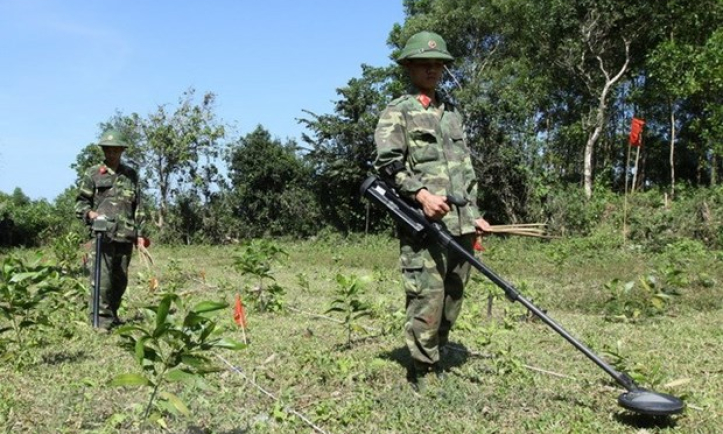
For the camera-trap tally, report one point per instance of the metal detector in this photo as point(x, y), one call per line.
point(100, 226)
point(636, 398)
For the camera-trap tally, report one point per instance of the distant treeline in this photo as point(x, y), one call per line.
point(548, 88)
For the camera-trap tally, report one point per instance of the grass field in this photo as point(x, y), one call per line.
point(508, 373)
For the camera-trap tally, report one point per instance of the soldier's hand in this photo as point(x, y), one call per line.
point(483, 227)
point(92, 215)
point(143, 242)
point(434, 207)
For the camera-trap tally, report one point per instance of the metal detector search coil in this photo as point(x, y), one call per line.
point(635, 399)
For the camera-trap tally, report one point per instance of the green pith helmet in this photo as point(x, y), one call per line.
point(112, 138)
point(425, 45)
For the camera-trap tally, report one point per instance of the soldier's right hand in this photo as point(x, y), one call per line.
point(92, 215)
point(434, 207)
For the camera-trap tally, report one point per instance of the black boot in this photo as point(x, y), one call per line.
point(117, 321)
point(420, 373)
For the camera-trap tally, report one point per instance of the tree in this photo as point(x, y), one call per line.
point(271, 192)
point(179, 150)
point(342, 145)
point(677, 70)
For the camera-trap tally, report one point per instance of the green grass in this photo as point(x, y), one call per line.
point(516, 376)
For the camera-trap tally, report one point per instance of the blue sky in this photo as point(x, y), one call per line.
point(66, 66)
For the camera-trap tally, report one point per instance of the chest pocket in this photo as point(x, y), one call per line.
point(423, 146)
point(104, 187)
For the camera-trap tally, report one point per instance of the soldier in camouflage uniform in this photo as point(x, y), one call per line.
point(422, 151)
point(111, 189)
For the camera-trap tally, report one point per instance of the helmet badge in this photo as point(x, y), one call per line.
point(432, 44)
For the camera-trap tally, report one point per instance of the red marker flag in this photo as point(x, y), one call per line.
point(478, 245)
point(239, 313)
point(636, 132)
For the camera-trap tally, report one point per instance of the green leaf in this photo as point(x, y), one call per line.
point(162, 329)
point(130, 380)
point(658, 303)
point(140, 349)
point(335, 309)
point(196, 361)
point(162, 313)
point(229, 344)
point(207, 331)
point(128, 329)
point(209, 306)
point(182, 376)
point(176, 402)
point(20, 277)
point(193, 319)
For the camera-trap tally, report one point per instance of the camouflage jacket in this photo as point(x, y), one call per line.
point(113, 194)
point(420, 146)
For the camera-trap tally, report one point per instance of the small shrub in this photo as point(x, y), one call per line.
point(257, 258)
point(646, 297)
point(348, 303)
point(26, 294)
point(169, 349)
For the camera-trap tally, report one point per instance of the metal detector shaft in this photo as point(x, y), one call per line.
point(405, 213)
point(513, 295)
point(96, 281)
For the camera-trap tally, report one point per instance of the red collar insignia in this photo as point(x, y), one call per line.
point(424, 100)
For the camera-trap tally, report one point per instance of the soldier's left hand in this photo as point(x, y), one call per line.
point(483, 227)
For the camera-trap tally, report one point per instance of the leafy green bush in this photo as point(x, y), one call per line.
point(568, 212)
point(347, 303)
point(172, 349)
point(257, 258)
point(695, 214)
point(647, 297)
point(26, 303)
point(66, 249)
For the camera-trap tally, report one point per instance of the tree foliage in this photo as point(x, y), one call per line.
point(269, 182)
point(342, 146)
point(179, 150)
point(547, 88)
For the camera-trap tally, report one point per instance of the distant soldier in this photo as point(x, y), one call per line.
point(112, 190)
point(7, 226)
point(422, 151)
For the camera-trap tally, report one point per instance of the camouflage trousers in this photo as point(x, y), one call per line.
point(434, 279)
point(114, 260)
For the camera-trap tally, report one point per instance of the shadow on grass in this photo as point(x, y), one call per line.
point(356, 341)
point(63, 357)
point(202, 430)
point(641, 421)
point(453, 356)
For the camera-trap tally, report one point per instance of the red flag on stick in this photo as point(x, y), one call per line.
point(636, 132)
point(239, 313)
point(477, 246)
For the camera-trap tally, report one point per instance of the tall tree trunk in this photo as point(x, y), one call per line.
point(713, 169)
point(590, 146)
point(163, 188)
point(672, 151)
point(600, 117)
